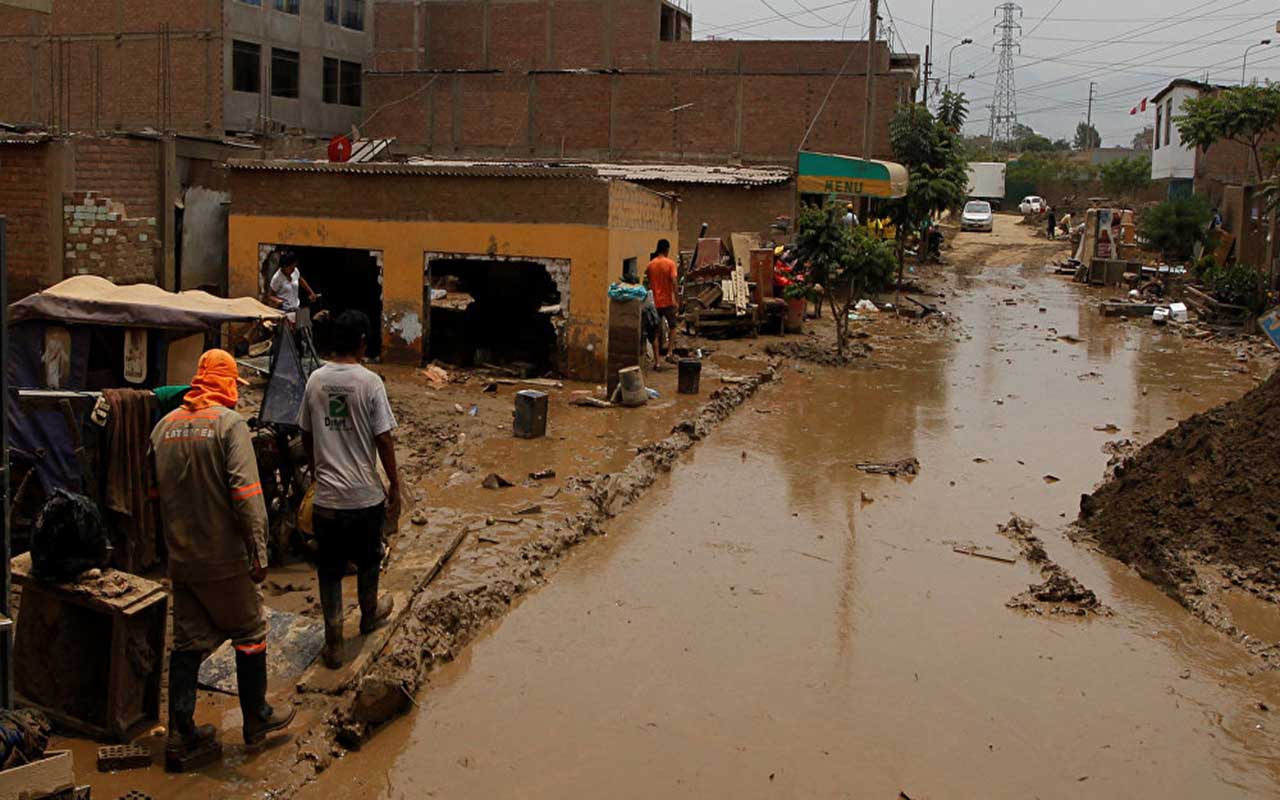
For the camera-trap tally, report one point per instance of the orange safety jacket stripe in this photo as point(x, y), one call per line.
point(245, 492)
point(252, 649)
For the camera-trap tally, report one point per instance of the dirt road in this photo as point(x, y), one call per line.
point(771, 621)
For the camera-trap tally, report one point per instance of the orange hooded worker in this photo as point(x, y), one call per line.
point(215, 526)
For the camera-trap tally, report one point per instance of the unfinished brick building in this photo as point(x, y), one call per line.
point(615, 80)
point(193, 66)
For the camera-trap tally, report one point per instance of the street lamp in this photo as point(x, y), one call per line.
point(1245, 60)
point(949, 55)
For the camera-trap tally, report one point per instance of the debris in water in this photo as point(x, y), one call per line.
point(907, 466)
point(990, 556)
point(495, 481)
point(1051, 479)
point(542, 474)
point(867, 499)
point(436, 376)
point(419, 517)
point(1069, 339)
point(532, 508)
point(1108, 428)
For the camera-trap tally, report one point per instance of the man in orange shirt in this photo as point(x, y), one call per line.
point(661, 275)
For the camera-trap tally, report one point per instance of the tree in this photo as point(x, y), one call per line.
point(933, 153)
point(1061, 144)
point(1242, 114)
point(1124, 178)
point(1035, 143)
point(1177, 226)
point(1087, 137)
point(849, 263)
point(1144, 139)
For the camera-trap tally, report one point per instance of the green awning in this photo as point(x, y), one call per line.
point(846, 176)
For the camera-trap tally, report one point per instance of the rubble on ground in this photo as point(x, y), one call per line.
point(1060, 592)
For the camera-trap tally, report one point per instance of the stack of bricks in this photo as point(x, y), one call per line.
point(101, 239)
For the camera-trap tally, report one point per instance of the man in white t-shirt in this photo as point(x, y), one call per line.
point(347, 426)
point(285, 284)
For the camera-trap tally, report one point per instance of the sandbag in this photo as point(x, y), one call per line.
point(69, 538)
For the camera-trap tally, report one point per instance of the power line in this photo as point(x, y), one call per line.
point(793, 20)
point(1036, 27)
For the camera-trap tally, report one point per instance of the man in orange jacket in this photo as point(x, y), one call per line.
point(661, 275)
point(215, 526)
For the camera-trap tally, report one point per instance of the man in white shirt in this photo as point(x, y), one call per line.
point(347, 426)
point(285, 284)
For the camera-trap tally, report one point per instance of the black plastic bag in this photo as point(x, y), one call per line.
point(69, 538)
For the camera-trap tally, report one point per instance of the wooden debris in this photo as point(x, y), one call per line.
point(590, 402)
point(542, 474)
point(531, 508)
point(907, 466)
point(988, 556)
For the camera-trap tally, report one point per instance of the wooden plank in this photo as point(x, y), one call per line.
point(50, 775)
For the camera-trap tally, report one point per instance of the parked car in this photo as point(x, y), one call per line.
point(976, 216)
point(1031, 205)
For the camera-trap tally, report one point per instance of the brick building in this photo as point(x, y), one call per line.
point(130, 208)
point(616, 80)
point(201, 67)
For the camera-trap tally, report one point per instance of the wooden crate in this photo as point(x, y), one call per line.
point(109, 652)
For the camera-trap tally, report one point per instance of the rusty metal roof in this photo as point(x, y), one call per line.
point(420, 168)
point(641, 173)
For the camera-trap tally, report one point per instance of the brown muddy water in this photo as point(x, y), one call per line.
point(755, 628)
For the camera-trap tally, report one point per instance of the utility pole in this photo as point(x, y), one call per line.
point(1089, 118)
point(928, 55)
point(868, 117)
point(1006, 102)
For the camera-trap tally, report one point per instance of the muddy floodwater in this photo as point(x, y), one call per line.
point(756, 626)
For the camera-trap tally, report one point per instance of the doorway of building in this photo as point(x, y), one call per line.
point(345, 279)
point(497, 310)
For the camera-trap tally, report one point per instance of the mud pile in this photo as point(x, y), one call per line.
point(1061, 592)
point(1208, 490)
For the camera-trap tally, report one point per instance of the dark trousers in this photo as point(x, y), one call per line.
point(348, 537)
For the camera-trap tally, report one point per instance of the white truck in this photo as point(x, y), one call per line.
point(986, 182)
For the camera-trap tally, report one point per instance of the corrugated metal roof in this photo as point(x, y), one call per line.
point(640, 173)
point(423, 168)
point(23, 138)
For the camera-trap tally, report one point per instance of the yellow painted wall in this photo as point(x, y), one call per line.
point(404, 244)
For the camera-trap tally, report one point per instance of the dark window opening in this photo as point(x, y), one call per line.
point(352, 83)
point(331, 11)
point(331, 94)
point(252, 2)
point(674, 25)
point(246, 67)
point(284, 72)
point(505, 313)
point(1168, 122)
point(1159, 119)
point(353, 14)
point(344, 279)
point(289, 6)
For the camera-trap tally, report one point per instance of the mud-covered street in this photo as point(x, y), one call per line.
point(769, 620)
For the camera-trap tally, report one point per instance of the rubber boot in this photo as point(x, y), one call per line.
point(259, 718)
point(184, 738)
point(331, 605)
point(375, 610)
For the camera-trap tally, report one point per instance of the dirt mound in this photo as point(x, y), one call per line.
point(821, 351)
point(1209, 490)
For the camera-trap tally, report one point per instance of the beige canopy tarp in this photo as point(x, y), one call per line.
point(88, 299)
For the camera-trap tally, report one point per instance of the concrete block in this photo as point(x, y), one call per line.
point(71, 254)
point(68, 209)
point(73, 231)
point(88, 201)
point(81, 246)
point(142, 237)
point(113, 216)
point(111, 231)
point(152, 220)
point(97, 240)
point(95, 256)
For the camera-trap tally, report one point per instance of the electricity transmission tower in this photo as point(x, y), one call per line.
point(1005, 113)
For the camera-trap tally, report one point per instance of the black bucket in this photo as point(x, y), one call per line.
point(690, 376)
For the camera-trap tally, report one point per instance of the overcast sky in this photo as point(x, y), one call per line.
point(1130, 49)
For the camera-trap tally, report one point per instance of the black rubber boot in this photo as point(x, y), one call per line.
point(375, 610)
point(259, 718)
point(331, 606)
point(185, 738)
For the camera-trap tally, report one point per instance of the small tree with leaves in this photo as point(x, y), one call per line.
point(1177, 226)
point(849, 264)
point(1125, 178)
point(933, 152)
point(1087, 137)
